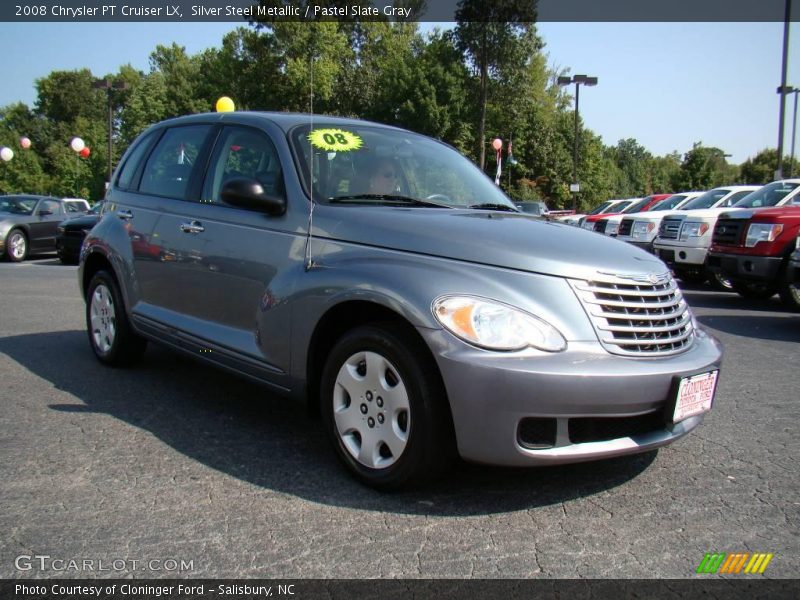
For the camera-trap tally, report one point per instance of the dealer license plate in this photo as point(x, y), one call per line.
point(695, 395)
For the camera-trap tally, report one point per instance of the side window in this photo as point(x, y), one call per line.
point(243, 152)
point(170, 165)
point(72, 207)
point(129, 169)
point(52, 205)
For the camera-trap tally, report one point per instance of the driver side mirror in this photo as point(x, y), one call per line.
point(249, 193)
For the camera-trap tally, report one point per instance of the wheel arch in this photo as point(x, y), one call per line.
point(343, 317)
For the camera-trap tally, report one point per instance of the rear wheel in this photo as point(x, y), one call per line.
point(110, 334)
point(17, 245)
point(385, 409)
point(753, 290)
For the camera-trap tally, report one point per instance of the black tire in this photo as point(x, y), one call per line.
point(752, 290)
point(16, 236)
point(67, 259)
point(720, 282)
point(124, 347)
point(429, 446)
point(789, 292)
point(691, 275)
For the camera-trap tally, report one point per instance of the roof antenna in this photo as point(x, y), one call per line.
point(309, 262)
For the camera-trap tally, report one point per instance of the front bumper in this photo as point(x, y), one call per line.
point(69, 246)
point(681, 255)
point(745, 267)
point(491, 395)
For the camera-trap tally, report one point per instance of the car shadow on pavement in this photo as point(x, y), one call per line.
point(772, 328)
point(242, 430)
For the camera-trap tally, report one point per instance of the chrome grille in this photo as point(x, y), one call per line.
point(670, 228)
point(634, 317)
point(600, 225)
point(626, 227)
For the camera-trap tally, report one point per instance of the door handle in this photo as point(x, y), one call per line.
point(193, 227)
point(124, 214)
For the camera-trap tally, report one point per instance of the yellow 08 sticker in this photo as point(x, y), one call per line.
point(335, 140)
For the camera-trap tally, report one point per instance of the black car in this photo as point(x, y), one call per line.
point(28, 224)
point(72, 232)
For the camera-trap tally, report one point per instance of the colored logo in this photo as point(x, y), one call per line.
point(736, 563)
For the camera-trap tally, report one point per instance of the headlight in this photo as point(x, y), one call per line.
point(612, 227)
point(642, 229)
point(691, 229)
point(762, 232)
point(495, 326)
point(588, 225)
point(60, 229)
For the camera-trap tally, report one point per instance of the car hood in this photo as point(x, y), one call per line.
point(500, 239)
point(703, 213)
point(652, 215)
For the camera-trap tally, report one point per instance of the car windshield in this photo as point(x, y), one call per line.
point(769, 195)
point(361, 164)
point(18, 206)
point(668, 203)
point(637, 206)
point(616, 208)
point(597, 210)
point(707, 200)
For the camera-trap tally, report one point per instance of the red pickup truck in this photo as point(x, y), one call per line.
point(753, 248)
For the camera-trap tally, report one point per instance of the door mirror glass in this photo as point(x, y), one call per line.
point(249, 193)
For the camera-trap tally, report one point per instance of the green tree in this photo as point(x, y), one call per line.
point(760, 169)
point(705, 167)
point(492, 37)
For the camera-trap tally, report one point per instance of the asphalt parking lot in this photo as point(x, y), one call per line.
point(172, 461)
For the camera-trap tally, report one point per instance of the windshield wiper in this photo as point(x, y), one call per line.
point(385, 199)
point(494, 206)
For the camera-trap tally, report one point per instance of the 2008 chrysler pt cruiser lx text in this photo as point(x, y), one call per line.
point(410, 301)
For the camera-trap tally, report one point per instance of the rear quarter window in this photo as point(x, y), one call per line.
point(170, 165)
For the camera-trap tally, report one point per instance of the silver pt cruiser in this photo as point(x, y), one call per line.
point(381, 277)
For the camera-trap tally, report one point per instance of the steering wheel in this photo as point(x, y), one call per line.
point(441, 197)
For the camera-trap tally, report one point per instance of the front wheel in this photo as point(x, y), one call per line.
point(110, 334)
point(753, 291)
point(384, 407)
point(790, 293)
point(721, 282)
point(688, 275)
point(17, 246)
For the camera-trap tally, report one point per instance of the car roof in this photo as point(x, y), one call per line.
point(284, 120)
point(28, 197)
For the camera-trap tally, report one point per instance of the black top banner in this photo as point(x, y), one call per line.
point(399, 10)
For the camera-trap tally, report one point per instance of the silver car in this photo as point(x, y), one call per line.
point(410, 301)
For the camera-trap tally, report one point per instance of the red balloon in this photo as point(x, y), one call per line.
point(85, 152)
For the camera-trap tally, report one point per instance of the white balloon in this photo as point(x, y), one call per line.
point(6, 154)
point(77, 144)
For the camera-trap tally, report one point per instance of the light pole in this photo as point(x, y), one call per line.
point(105, 84)
point(795, 91)
point(783, 89)
point(578, 80)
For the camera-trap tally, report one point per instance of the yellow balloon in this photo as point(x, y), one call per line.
point(225, 104)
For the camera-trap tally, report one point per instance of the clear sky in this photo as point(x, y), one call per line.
point(666, 84)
